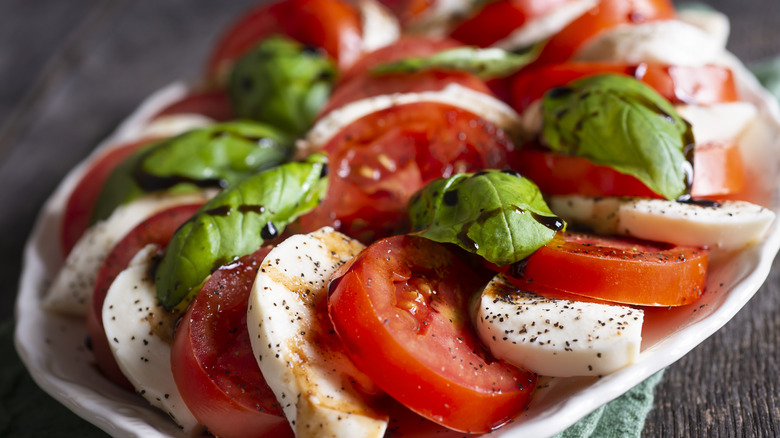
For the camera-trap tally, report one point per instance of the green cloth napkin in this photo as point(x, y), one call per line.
point(27, 411)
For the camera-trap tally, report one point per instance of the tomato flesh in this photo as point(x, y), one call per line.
point(699, 85)
point(378, 162)
point(157, 229)
point(78, 210)
point(212, 360)
point(498, 19)
point(619, 270)
point(606, 15)
point(718, 171)
point(401, 310)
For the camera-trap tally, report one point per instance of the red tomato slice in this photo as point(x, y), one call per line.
point(718, 172)
point(367, 85)
point(212, 104)
point(380, 160)
point(409, 11)
point(212, 360)
point(78, 210)
point(158, 229)
point(401, 310)
point(620, 270)
point(700, 85)
point(559, 174)
point(498, 19)
point(604, 16)
point(332, 25)
point(404, 47)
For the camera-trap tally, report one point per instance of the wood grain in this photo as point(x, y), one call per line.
point(70, 71)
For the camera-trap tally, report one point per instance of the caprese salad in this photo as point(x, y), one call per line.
point(389, 219)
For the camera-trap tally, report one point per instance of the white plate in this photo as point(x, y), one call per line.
point(53, 349)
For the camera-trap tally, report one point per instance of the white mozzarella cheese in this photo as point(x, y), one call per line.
point(72, 288)
point(485, 106)
point(300, 355)
point(559, 338)
point(720, 122)
point(140, 333)
point(666, 42)
point(713, 23)
point(545, 26)
point(437, 20)
point(730, 225)
point(380, 27)
point(173, 125)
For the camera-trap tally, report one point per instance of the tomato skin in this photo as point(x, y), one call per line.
point(401, 311)
point(158, 229)
point(498, 19)
point(604, 16)
point(718, 171)
point(699, 85)
point(367, 85)
point(619, 270)
point(212, 104)
point(212, 360)
point(78, 210)
point(560, 174)
point(332, 25)
point(380, 160)
point(405, 47)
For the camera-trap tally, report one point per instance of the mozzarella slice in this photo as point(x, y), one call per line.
point(71, 290)
point(713, 23)
point(173, 125)
point(140, 333)
point(485, 106)
point(380, 27)
point(721, 122)
point(303, 361)
point(666, 42)
point(730, 225)
point(559, 338)
point(545, 26)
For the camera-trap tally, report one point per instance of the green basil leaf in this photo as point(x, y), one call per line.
point(283, 83)
point(236, 222)
point(485, 63)
point(497, 214)
point(215, 156)
point(618, 121)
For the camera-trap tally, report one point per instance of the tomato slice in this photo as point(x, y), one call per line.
point(620, 270)
point(405, 47)
point(212, 104)
point(699, 85)
point(498, 19)
point(157, 229)
point(212, 360)
point(78, 211)
point(332, 25)
point(401, 310)
point(380, 160)
point(560, 174)
point(718, 172)
point(604, 16)
point(367, 85)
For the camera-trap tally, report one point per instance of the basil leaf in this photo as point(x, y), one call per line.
point(236, 222)
point(215, 156)
point(484, 63)
point(283, 83)
point(618, 121)
point(497, 214)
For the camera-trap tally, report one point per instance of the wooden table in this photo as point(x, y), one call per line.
point(70, 71)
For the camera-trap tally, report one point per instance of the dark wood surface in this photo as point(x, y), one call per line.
point(70, 71)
